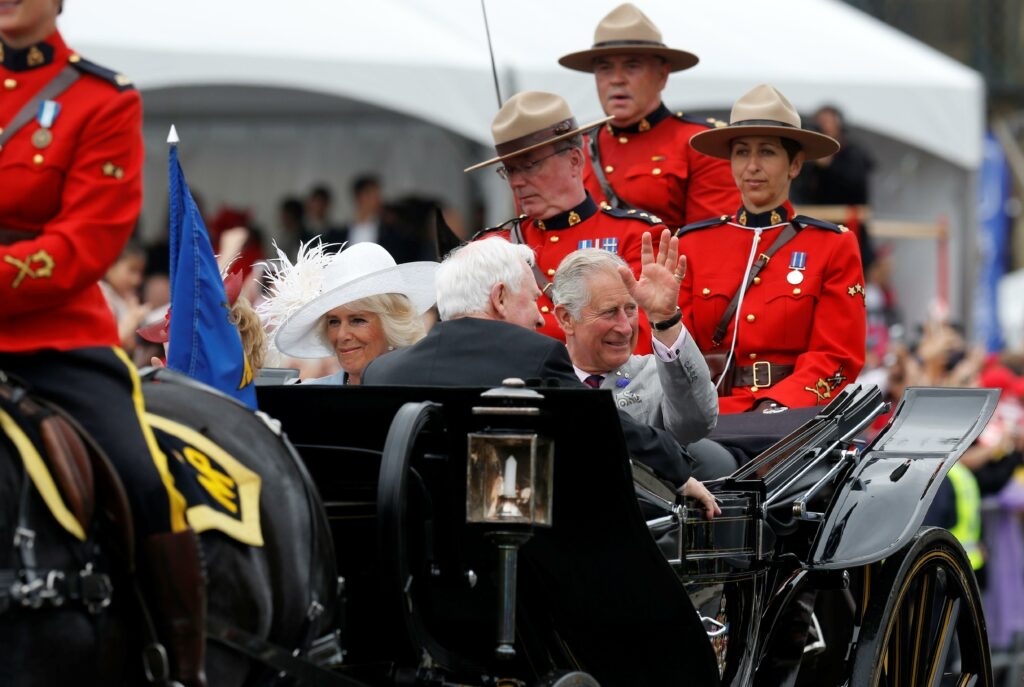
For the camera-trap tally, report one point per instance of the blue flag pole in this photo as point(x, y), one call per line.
point(203, 341)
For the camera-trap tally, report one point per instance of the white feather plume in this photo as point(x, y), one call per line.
point(291, 285)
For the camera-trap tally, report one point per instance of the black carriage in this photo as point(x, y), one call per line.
point(575, 567)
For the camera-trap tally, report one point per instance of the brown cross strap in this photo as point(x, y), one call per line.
point(55, 87)
point(783, 238)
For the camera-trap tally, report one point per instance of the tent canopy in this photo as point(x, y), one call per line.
point(429, 58)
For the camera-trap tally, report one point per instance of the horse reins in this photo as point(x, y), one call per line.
point(30, 587)
point(27, 586)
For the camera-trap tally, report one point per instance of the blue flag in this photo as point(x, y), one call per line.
point(203, 342)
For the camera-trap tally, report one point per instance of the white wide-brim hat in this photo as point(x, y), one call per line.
point(763, 111)
point(360, 271)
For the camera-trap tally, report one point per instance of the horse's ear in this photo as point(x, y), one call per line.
point(447, 239)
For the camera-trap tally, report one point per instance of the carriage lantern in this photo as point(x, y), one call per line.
point(509, 486)
point(508, 479)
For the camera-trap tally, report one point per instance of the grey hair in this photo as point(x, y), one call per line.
point(570, 283)
point(575, 141)
point(402, 325)
point(465, 278)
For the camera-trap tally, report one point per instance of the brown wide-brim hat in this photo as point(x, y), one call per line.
point(627, 30)
point(529, 120)
point(763, 111)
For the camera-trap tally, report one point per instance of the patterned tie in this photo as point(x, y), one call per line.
point(594, 381)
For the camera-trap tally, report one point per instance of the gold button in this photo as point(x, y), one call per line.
point(545, 309)
point(10, 84)
point(1, 131)
point(554, 239)
point(757, 280)
point(656, 171)
point(750, 318)
point(75, 59)
point(37, 158)
point(753, 389)
point(753, 356)
point(796, 291)
point(623, 139)
point(706, 291)
point(551, 272)
point(608, 169)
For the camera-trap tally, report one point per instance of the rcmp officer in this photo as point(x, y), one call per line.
point(778, 299)
point(642, 158)
point(71, 155)
point(539, 142)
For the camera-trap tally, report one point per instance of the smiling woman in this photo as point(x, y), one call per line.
point(360, 304)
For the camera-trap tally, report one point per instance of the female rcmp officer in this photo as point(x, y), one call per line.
point(781, 297)
point(70, 172)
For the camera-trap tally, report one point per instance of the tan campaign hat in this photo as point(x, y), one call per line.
point(627, 30)
point(763, 111)
point(529, 120)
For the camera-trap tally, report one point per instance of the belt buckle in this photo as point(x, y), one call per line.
point(767, 367)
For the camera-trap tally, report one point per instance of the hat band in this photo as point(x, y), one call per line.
point(517, 144)
point(628, 43)
point(764, 122)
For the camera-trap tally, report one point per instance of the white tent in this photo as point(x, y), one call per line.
point(271, 97)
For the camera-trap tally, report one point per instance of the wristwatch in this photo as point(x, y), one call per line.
point(670, 322)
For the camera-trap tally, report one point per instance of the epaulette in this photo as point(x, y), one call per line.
point(631, 213)
point(116, 79)
point(507, 225)
point(709, 122)
point(806, 221)
point(703, 224)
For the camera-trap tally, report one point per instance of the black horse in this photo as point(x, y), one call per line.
point(283, 594)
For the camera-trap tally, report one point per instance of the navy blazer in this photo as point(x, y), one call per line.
point(472, 351)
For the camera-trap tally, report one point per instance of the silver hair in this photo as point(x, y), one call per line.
point(466, 276)
point(402, 325)
point(570, 283)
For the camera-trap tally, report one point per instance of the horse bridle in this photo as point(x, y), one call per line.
point(27, 586)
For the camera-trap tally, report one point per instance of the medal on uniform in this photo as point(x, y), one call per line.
point(45, 115)
point(797, 265)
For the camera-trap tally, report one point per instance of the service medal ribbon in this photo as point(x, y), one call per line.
point(610, 244)
point(797, 263)
point(47, 113)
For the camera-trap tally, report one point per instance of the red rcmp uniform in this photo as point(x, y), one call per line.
point(70, 193)
point(69, 201)
point(805, 309)
point(650, 165)
point(584, 226)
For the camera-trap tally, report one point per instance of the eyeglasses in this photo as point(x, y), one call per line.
point(527, 169)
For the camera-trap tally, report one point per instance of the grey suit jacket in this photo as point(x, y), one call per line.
point(677, 396)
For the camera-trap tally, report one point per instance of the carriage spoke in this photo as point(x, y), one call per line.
point(921, 626)
point(895, 654)
point(945, 632)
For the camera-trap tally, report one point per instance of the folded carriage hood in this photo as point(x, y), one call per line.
point(884, 500)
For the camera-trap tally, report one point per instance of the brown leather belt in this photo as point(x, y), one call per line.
point(760, 375)
point(9, 237)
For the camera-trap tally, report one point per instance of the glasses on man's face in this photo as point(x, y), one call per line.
point(527, 169)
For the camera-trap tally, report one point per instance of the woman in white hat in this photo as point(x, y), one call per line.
point(356, 304)
point(774, 301)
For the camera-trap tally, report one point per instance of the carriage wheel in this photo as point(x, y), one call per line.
point(924, 626)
